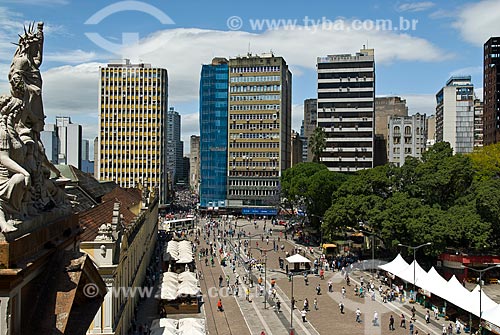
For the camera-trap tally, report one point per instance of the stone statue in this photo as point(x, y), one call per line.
point(14, 179)
point(25, 187)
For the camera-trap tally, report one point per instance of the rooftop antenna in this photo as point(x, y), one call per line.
point(248, 52)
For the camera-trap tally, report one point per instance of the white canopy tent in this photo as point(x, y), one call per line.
point(414, 273)
point(184, 326)
point(174, 285)
point(492, 315)
point(164, 323)
point(435, 283)
point(452, 290)
point(297, 259)
point(396, 265)
point(163, 331)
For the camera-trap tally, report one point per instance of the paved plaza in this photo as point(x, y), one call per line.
point(252, 316)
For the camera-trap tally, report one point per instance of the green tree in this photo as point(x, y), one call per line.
point(317, 143)
point(486, 161)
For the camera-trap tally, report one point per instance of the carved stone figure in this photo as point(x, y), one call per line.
point(25, 187)
point(14, 179)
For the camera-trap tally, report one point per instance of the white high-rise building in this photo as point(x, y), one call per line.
point(455, 114)
point(132, 126)
point(346, 103)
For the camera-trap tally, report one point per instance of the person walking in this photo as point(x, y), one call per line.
point(220, 280)
point(403, 322)
point(303, 313)
point(315, 303)
point(343, 292)
point(358, 315)
point(341, 307)
point(306, 304)
point(318, 289)
point(278, 306)
point(391, 323)
point(330, 286)
point(411, 327)
point(427, 317)
point(219, 306)
point(375, 318)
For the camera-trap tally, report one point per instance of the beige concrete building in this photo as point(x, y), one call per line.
point(385, 107)
point(431, 131)
point(310, 123)
point(259, 131)
point(407, 137)
point(132, 126)
point(296, 148)
point(194, 163)
point(120, 238)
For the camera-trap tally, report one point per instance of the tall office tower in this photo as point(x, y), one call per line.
point(346, 104)
point(478, 123)
point(132, 126)
point(87, 164)
point(175, 147)
point(259, 150)
point(385, 107)
point(50, 142)
point(431, 131)
point(455, 114)
point(407, 137)
point(491, 91)
point(310, 123)
point(85, 150)
point(296, 148)
point(194, 163)
point(96, 157)
point(214, 85)
point(69, 142)
point(304, 142)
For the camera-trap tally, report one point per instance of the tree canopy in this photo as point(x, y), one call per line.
point(450, 200)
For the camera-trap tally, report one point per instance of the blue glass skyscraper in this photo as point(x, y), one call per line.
point(213, 133)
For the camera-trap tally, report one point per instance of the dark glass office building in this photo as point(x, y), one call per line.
point(213, 133)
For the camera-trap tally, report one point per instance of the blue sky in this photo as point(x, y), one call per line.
point(180, 36)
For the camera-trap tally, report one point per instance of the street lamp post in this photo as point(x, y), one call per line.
point(265, 274)
point(480, 291)
point(291, 307)
point(414, 260)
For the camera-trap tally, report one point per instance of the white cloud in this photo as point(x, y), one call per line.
point(443, 14)
point(478, 92)
point(477, 22)
point(182, 51)
point(189, 126)
point(71, 90)
point(468, 71)
point(72, 57)
point(420, 103)
point(415, 6)
point(297, 116)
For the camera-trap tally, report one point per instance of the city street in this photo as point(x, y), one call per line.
point(320, 321)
